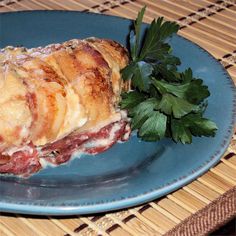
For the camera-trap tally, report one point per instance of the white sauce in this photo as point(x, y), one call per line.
point(104, 141)
point(45, 163)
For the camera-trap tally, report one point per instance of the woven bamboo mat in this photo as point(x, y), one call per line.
point(197, 208)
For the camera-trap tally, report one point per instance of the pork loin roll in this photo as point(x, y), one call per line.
point(59, 99)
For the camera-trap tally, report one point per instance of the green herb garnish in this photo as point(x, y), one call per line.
point(164, 102)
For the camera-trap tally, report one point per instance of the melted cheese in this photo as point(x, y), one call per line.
point(104, 141)
point(75, 114)
point(47, 93)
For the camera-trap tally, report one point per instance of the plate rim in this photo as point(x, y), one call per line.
point(36, 208)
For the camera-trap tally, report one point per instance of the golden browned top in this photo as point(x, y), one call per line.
point(49, 92)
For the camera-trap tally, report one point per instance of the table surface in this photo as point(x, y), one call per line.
point(211, 199)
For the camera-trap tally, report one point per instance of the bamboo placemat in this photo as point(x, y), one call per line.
point(201, 206)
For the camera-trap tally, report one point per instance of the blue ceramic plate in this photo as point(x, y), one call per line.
point(128, 174)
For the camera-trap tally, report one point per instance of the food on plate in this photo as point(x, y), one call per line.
point(85, 95)
point(59, 99)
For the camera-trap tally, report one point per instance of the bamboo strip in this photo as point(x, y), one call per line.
point(5, 231)
point(132, 14)
point(121, 215)
point(149, 11)
point(91, 4)
point(213, 35)
point(221, 17)
point(191, 202)
point(197, 195)
point(232, 71)
point(148, 222)
point(9, 7)
point(189, 5)
point(201, 4)
point(41, 4)
point(45, 226)
point(72, 5)
point(126, 13)
point(174, 7)
point(108, 225)
point(60, 4)
point(31, 5)
point(227, 170)
point(219, 173)
point(203, 190)
point(208, 43)
point(87, 232)
point(49, 5)
point(214, 182)
point(12, 223)
point(202, 13)
point(140, 227)
point(102, 221)
point(161, 11)
point(226, 63)
point(3, 9)
point(30, 225)
point(114, 11)
point(203, 27)
point(73, 224)
point(221, 32)
point(163, 223)
point(180, 203)
point(130, 230)
point(59, 224)
point(77, 3)
point(125, 10)
point(226, 16)
point(23, 5)
point(215, 51)
point(213, 21)
point(234, 79)
point(171, 206)
point(16, 7)
point(222, 26)
point(213, 30)
point(94, 226)
point(165, 212)
point(231, 162)
point(120, 231)
point(222, 4)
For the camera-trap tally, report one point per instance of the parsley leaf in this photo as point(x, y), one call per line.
point(200, 126)
point(196, 91)
point(142, 111)
point(138, 73)
point(165, 102)
point(132, 99)
point(193, 91)
point(154, 127)
point(154, 41)
point(177, 106)
point(192, 124)
point(180, 132)
point(135, 36)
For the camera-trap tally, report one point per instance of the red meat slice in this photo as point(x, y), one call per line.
point(26, 161)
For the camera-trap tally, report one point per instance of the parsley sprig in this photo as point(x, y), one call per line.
point(164, 102)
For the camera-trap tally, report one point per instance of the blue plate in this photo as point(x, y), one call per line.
point(127, 174)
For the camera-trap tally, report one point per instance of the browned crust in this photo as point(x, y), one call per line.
point(46, 71)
